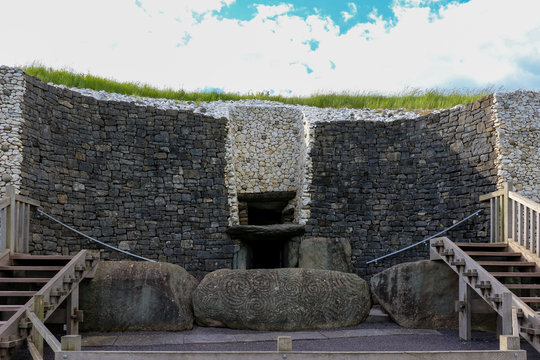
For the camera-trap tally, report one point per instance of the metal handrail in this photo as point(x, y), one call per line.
point(91, 238)
point(425, 240)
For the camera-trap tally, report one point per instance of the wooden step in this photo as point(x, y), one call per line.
point(24, 280)
point(530, 299)
point(515, 274)
point(522, 286)
point(19, 256)
point(483, 245)
point(30, 268)
point(506, 263)
point(493, 253)
point(17, 293)
point(10, 308)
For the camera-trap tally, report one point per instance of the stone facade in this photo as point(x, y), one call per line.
point(12, 87)
point(386, 185)
point(517, 122)
point(265, 148)
point(147, 180)
point(162, 178)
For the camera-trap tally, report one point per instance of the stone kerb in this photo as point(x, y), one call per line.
point(281, 299)
point(12, 89)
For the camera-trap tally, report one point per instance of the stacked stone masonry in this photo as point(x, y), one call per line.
point(386, 185)
point(161, 178)
point(12, 87)
point(518, 132)
point(146, 180)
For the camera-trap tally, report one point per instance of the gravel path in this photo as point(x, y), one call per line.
point(382, 336)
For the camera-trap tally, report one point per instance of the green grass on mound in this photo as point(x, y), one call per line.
point(415, 99)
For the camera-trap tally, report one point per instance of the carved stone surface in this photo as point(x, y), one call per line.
point(127, 295)
point(281, 299)
point(257, 232)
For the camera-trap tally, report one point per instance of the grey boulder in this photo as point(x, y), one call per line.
point(418, 294)
point(127, 295)
point(281, 299)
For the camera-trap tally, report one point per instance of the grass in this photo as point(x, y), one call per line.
point(412, 100)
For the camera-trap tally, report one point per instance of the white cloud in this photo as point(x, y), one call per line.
point(174, 44)
point(348, 15)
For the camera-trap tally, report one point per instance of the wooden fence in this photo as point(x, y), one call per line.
point(514, 219)
point(15, 221)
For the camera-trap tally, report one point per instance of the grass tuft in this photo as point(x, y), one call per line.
point(410, 99)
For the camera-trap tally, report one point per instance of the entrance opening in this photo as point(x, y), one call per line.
point(265, 213)
point(264, 244)
point(267, 254)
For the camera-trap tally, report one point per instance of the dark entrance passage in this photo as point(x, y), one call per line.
point(265, 230)
point(267, 254)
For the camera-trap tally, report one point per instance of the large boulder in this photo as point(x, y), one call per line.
point(281, 299)
point(128, 296)
point(326, 254)
point(418, 294)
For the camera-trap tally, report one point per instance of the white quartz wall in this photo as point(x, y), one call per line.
point(265, 148)
point(12, 89)
point(517, 124)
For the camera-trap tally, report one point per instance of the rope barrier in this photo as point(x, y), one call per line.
point(427, 239)
point(92, 239)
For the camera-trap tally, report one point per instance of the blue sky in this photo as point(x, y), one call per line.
point(295, 47)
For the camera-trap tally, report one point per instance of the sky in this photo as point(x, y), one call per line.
point(289, 47)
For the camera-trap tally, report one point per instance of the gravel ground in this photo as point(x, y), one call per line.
point(384, 336)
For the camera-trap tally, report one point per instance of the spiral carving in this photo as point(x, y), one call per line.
point(281, 299)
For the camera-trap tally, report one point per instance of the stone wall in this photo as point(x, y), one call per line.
point(517, 122)
point(12, 87)
point(162, 179)
point(147, 180)
point(386, 185)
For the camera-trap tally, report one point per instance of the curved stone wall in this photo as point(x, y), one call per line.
point(386, 185)
point(162, 178)
point(144, 179)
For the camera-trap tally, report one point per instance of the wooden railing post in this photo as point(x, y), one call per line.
point(11, 218)
point(506, 212)
point(39, 310)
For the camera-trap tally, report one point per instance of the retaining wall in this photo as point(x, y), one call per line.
point(144, 179)
point(163, 182)
point(386, 185)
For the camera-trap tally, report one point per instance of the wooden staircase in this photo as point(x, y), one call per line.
point(504, 272)
point(33, 288)
point(40, 284)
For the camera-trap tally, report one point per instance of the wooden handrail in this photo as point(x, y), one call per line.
point(514, 219)
point(524, 201)
point(492, 195)
point(43, 331)
point(15, 221)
